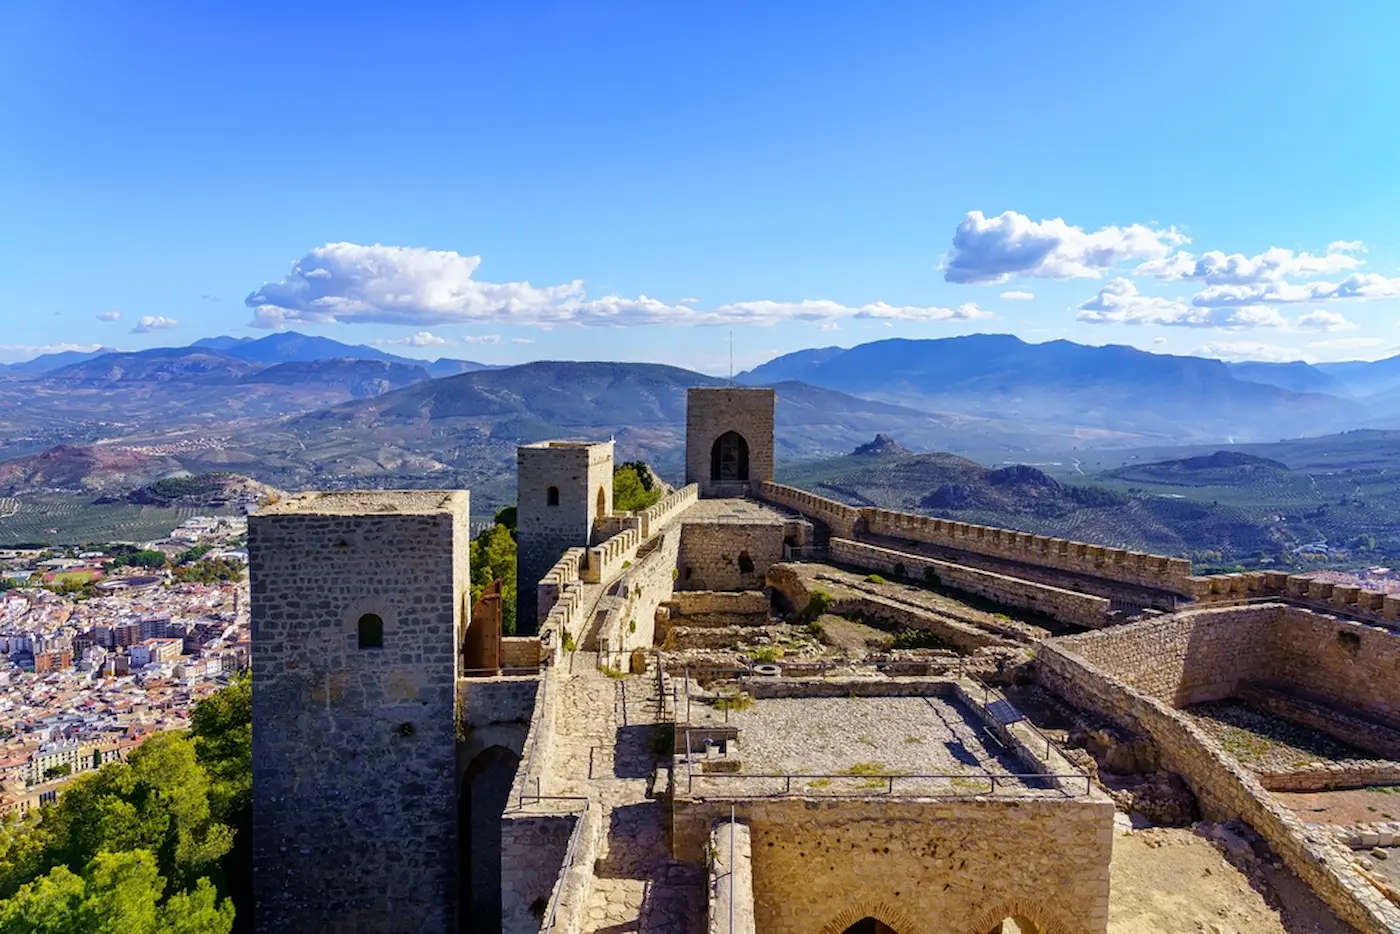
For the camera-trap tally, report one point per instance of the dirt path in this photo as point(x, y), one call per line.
point(1173, 881)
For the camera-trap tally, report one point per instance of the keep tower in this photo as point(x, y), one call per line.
point(357, 603)
point(728, 439)
point(562, 489)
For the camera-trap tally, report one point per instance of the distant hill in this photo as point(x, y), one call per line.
point(359, 378)
point(215, 491)
point(1295, 377)
point(45, 363)
point(882, 446)
point(74, 467)
point(292, 347)
point(162, 364)
point(1113, 388)
point(1222, 467)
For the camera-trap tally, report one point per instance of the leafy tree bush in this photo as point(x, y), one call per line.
point(211, 571)
point(493, 558)
point(633, 487)
point(140, 558)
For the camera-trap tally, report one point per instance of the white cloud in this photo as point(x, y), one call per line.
point(1341, 348)
point(482, 339)
point(995, 249)
point(346, 282)
point(109, 316)
point(1248, 350)
point(1359, 286)
point(1273, 265)
point(1324, 321)
point(829, 326)
point(1120, 302)
point(1018, 295)
point(521, 340)
point(14, 352)
point(421, 339)
point(149, 323)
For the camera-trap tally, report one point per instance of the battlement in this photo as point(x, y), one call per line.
point(606, 560)
point(667, 508)
point(1297, 588)
point(367, 503)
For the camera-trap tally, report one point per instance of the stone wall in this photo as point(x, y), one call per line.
point(608, 559)
point(1342, 722)
point(842, 520)
point(820, 865)
point(714, 555)
point(709, 413)
point(731, 880)
point(533, 847)
point(579, 472)
point(630, 620)
point(1223, 787)
point(1349, 665)
point(668, 507)
point(1330, 776)
point(521, 651)
point(362, 740)
point(1068, 606)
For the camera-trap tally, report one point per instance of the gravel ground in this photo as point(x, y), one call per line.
point(1265, 742)
point(868, 737)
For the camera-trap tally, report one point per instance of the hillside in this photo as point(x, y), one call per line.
point(1115, 389)
point(220, 492)
point(1219, 468)
point(357, 378)
point(96, 468)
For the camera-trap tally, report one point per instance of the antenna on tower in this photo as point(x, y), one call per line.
point(731, 358)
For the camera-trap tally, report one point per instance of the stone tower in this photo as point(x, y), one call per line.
point(562, 488)
point(728, 439)
point(357, 600)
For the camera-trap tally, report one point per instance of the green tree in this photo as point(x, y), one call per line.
point(633, 487)
point(118, 893)
point(493, 558)
point(222, 727)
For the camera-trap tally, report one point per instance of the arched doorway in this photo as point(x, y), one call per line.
point(602, 503)
point(870, 926)
point(729, 459)
point(482, 799)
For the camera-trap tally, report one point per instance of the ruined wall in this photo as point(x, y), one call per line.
point(709, 413)
point(1067, 606)
point(731, 880)
point(714, 555)
point(1223, 788)
point(1186, 658)
point(1350, 665)
point(359, 740)
point(578, 471)
point(820, 865)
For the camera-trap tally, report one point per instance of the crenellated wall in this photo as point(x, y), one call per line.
point(607, 559)
point(841, 519)
point(655, 516)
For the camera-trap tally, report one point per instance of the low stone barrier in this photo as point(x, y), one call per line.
point(841, 519)
point(731, 880)
point(658, 514)
point(1375, 738)
point(1330, 776)
point(1080, 609)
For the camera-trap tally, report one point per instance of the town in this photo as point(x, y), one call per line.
point(105, 646)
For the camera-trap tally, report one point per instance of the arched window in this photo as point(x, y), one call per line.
point(729, 458)
point(551, 496)
point(602, 502)
point(371, 631)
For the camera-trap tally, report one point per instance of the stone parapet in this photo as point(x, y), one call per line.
point(1067, 606)
point(731, 880)
point(608, 559)
point(1332, 776)
point(658, 514)
point(841, 519)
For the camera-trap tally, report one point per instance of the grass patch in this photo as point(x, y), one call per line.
point(875, 579)
point(726, 702)
point(819, 783)
point(766, 655)
point(612, 672)
point(817, 604)
point(918, 639)
point(913, 739)
point(866, 768)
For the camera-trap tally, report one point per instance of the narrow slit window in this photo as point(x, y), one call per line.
point(551, 496)
point(371, 630)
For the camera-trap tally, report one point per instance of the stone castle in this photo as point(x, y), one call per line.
point(710, 727)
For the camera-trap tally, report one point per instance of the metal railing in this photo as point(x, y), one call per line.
point(536, 727)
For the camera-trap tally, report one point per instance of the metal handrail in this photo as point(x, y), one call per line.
point(536, 726)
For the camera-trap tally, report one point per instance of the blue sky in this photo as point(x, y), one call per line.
point(638, 180)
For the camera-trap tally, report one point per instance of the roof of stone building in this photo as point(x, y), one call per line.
point(367, 502)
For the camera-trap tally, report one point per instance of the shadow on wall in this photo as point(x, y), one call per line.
point(485, 790)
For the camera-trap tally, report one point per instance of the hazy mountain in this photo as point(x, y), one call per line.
point(1365, 378)
point(48, 362)
point(292, 347)
point(1296, 376)
point(358, 378)
point(1115, 389)
point(161, 364)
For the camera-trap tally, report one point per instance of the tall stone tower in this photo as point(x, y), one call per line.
point(728, 439)
point(357, 602)
point(562, 488)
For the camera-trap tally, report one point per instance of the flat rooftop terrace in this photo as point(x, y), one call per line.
point(905, 745)
point(738, 511)
point(368, 502)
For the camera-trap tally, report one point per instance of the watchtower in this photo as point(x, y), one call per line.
point(562, 489)
point(728, 439)
point(357, 602)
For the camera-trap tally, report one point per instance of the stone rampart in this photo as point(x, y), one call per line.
point(1068, 606)
point(608, 559)
point(820, 864)
point(1128, 694)
point(731, 880)
point(565, 574)
point(667, 508)
point(841, 519)
point(1349, 665)
point(630, 608)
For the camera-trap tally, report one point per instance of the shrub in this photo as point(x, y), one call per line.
point(569, 645)
point(875, 579)
point(766, 655)
point(817, 604)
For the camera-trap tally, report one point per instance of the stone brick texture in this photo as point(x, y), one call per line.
point(709, 413)
point(354, 750)
point(714, 555)
point(821, 864)
point(580, 472)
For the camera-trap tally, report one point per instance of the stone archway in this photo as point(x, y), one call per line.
point(602, 503)
point(485, 789)
point(880, 916)
point(1031, 919)
point(729, 459)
